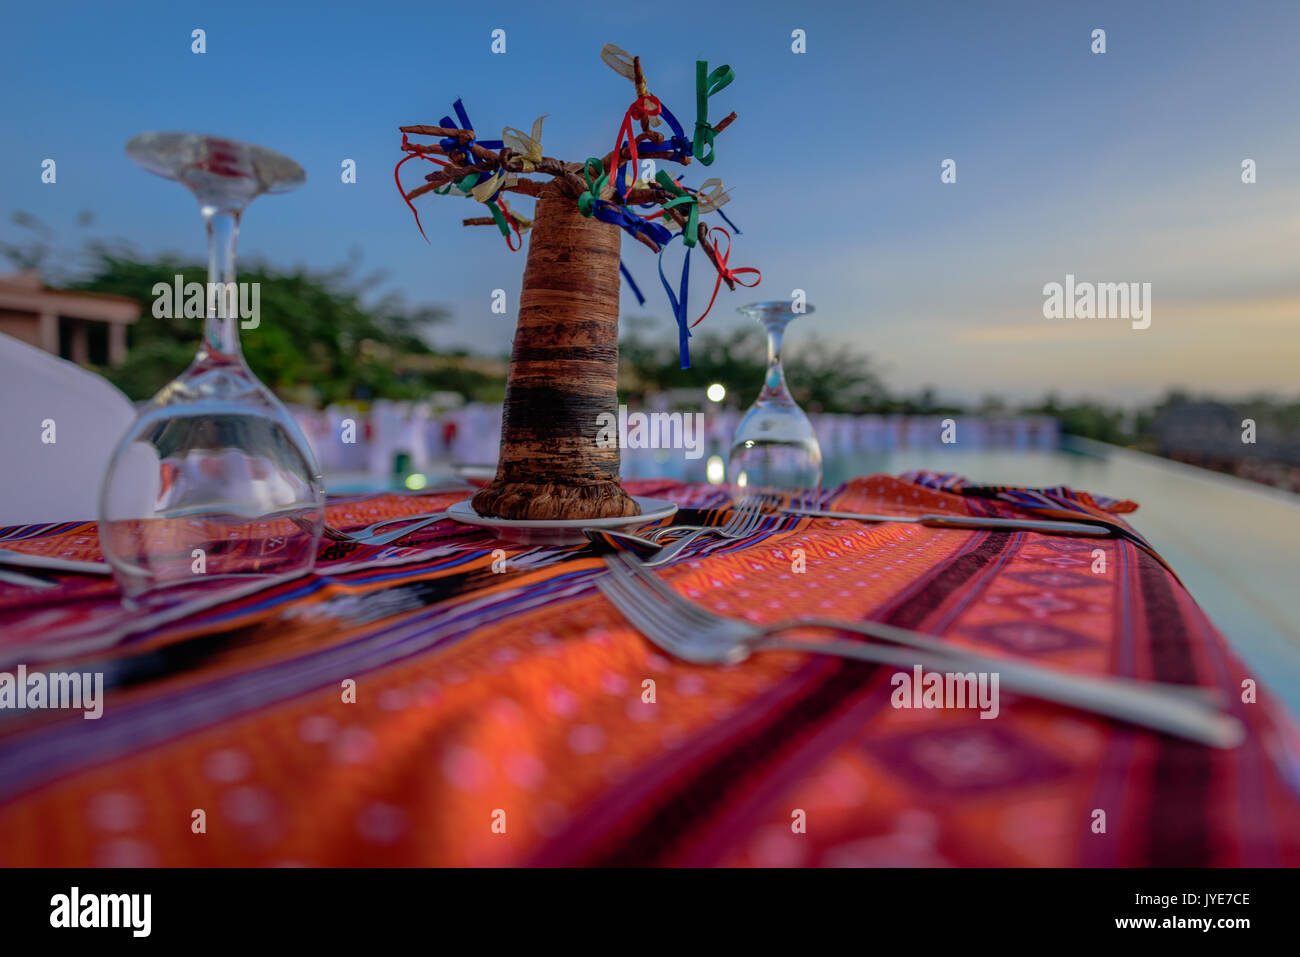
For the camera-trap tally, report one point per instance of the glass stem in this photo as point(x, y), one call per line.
point(221, 329)
point(774, 383)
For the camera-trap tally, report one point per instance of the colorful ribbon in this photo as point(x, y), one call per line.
point(679, 305)
point(715, 200)
point(619, 60)
point(720, 259)
point(706, 85)
point(734, 227)
point(640, 299)
point(529, 147)
point(454, 142)
point(590, 204)
point(678, 142)
point(587, 201)
point(412, 154)
point(505, 222)
point(641, 108)
point(682, 198)
point(712, 195)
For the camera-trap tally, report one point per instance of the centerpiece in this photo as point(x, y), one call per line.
point(563, 374)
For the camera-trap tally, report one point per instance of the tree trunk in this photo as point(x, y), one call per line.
point(563, 375)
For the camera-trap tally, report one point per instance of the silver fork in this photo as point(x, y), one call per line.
point(371, 534)
point(692, 633)
point(763, 502)
point(745, 518)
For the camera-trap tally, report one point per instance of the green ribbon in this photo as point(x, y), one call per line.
point(464, 184)
point(500, 219)
point(706, 85)
point(587, 201)
point(682, 198)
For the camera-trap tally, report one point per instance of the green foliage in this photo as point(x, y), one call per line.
point(1091, 420)
point(316, 340)
point(822, 377)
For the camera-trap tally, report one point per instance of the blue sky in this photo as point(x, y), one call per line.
point(1116, 167)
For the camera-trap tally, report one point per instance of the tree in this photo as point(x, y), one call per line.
point(316, 340)
point(563, 380)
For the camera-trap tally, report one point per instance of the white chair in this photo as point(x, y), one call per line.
point(43, 397)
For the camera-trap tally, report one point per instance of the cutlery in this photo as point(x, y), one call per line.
point(9, 558)
point(692, 633)
point(25, 581)
point(371, 534)
point(745, 518)
point(764, 501)
point(1098, 530)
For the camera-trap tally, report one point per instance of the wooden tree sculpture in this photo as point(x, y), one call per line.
point(564, 362)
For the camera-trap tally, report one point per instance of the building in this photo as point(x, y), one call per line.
point(88, 328)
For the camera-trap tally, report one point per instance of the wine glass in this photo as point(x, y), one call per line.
point(774, 448)
point(214, 478)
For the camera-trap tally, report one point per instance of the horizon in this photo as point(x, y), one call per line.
point(1114, 167)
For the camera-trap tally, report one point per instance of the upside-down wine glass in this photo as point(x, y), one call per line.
point(775, 448)
point(214, 478)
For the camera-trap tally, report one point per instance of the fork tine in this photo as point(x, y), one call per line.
point(745, 518)
point(647, 614)
point(687, 610)
point(678, 618)
point(632, 604)
point(754, 519)
point(665, 626)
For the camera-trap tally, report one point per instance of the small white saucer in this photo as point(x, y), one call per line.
point(561, 531)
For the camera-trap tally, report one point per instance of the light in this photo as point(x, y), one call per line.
point(715, 470)
point(415, 481)
point(742, 480)
point(717, 392)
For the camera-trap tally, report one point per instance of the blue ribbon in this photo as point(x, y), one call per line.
point(630, 222)
point(678, 143)
point(679, 306)
point(463, 123)
point(640, 299)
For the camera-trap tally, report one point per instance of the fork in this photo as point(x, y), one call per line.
point(745, 517)
point(371, 534)
point(763, 502)
point(692, 633)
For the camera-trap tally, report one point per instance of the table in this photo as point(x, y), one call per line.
point(462, 700)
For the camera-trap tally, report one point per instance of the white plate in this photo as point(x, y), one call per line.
point(560, 531)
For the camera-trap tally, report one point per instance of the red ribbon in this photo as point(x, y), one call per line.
point(505, 211)
point(642, 108)
point(413, 152)
point(725, 273)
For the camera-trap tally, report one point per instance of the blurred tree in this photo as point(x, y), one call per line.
point(316, 340)
point(822, 377)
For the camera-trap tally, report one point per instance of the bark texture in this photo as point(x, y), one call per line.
point(563, 375)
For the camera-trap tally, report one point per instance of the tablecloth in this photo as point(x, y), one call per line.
point(455, 699)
